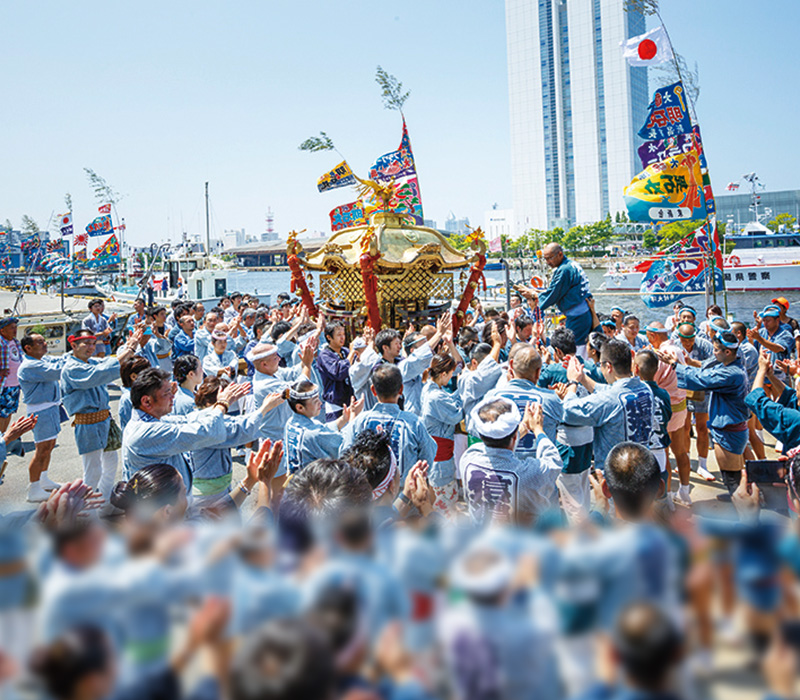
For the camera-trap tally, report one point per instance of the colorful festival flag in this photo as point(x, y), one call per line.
point(649, 49)
point(81, 240)
point(653, 151)
point(396, 164)
point(104, 209)
point(399, 166)
point(80, 255)
point(348, 215)
point(670, 190)
point(668, 114)
point(106, 253)
point(100, 226)
point(65, 224)
point(682, 269)
point(340, 176)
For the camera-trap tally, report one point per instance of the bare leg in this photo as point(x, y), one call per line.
point(41, 459)
point(680, 449)
point(701, 425)
point(755, 441)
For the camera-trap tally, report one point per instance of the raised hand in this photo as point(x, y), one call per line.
point(575, 370)
point(233, 392)
point(271, 401)
point(19, 427)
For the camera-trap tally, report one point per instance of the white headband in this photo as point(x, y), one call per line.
point(260, 356)
point(303, 395)
point(503, 426)
point(381, 488)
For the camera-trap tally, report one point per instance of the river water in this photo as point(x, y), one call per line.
point(740, 304)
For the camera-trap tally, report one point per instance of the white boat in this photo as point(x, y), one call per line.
point(56, 318)
point(759, 260)
point(201, 279)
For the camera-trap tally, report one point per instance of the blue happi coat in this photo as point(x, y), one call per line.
point(408, 437)
point(618, 412)
point(83, 388)
point(306, 439)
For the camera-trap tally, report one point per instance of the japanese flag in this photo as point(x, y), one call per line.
point(649, 49)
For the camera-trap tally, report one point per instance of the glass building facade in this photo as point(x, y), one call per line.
point(575, 107)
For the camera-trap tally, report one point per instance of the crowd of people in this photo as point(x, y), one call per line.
point(482, 514)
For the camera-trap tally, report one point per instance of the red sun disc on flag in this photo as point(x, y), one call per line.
point(65, 220)
point(647, 49)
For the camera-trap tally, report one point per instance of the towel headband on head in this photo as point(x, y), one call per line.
point(505, 424)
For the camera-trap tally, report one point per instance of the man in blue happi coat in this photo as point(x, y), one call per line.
point(621, 410)
point(568, 290)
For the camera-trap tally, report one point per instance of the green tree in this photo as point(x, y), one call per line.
point(103, 192)
point(458, 241)
point(29, 225)
point(650, 240)
point(574, 239)
point(786, 220)
point(672, 233)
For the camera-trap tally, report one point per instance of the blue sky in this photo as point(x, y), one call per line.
point(159, 97)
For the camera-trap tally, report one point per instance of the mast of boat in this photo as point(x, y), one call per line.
point(208, 235)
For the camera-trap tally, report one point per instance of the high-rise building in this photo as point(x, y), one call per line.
point(575, 108)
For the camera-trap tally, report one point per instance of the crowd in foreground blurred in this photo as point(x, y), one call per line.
point(502, 512)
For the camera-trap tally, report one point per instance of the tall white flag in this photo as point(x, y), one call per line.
point(649, 49)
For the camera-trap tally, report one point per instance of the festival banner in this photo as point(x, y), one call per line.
point(396, 164)
point(667, 114)
point(399, 166)
point(348, 215)
point(496, 245)
point(681, 269)
point(100, 226)
point(79, 255)
point(104, 209)
point(670, 190)
point(340, 176)
point(81, 240)
point(654, 151)
point(107, 253)
point(65, 224)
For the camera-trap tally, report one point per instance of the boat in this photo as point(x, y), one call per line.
point(760, 260)
point(38, 314)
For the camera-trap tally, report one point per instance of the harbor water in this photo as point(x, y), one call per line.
point(740, 304)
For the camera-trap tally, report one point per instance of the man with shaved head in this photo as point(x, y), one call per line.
point(568, 290)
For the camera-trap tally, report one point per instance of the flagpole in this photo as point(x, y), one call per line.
point(690, 100)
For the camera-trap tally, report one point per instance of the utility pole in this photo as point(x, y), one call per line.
point(208, 235)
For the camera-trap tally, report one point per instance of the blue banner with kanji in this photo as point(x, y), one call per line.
point(668, 114)
point(684, 268)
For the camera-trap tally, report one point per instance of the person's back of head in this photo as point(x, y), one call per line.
point(646, 362)
point(131, 366)
point(78, 661)
point(618, 354)
point(371, 454)
point(283, 660)
point(496, 422)
point(479, 353)
point(739, 329)
point(387, 381)
point(525, 361)
point(633, 478)
point(648, 645)
point(278, 329)
point(563, 339)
